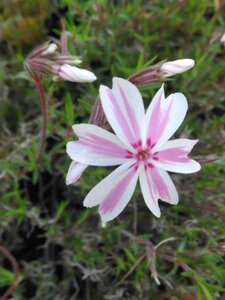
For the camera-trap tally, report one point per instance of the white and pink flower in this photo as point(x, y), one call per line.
point(140, 146)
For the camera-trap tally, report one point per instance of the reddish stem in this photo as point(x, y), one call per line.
point(41, 92)
point(63, 43)
point(15, 266)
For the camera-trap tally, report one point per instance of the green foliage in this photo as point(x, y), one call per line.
point(63, 249)
point(6, 276)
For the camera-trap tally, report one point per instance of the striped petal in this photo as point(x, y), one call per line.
point(173, 156)
point(75, 171)
point(157, 184)
point(164, 116)
point(114, 192)
point(96, 147)
point(124, 109)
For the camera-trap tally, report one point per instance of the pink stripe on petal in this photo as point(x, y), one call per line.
point(96, 146)
point(100, 150)
point(159, 185)
point(159, 119)
point(173, 155)
point(133, 121)
point(164, 121)
point(114, 192)
point(124, 109)
point(151, 187)
point(148, 189)
point(119, 116)
point(164, 116)
point(102, 146)
point(111, 200)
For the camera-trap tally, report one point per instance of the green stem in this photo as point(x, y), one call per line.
point(15, 266)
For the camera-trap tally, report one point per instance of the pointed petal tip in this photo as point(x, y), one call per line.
point(115, 79)
point(157, 214)
point(195, 142)
point(75, 171)
point(68, 147)
point(76, 127)
point(86, 204)
point(68, 182)
point(122, 82)
point(104, 217)
point(198, 167)
point(175, 201)
point(103, 87)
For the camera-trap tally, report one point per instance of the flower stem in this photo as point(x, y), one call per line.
point(15, 266)
point(63, 42)
point(42, 95)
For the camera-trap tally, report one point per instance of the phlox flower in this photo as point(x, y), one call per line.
point(140, 146)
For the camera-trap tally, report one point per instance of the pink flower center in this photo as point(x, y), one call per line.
point(142, 155)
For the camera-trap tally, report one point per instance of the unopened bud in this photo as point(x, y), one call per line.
point(51, 49)
point(38, 51)
point(217, 247)
point(148, 75)
point(171, 68)
point(67, 72)
point(222, 39)
point(66, 60)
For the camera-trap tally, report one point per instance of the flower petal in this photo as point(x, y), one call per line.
point(157, 184)
point(114, 192)
point(124, 109)
point(164, 116)
point(75, 171)
point(148, 191)
point(96, 147)
point(172, 156)
point(71, 73)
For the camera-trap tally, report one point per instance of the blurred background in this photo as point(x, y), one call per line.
point(62, 249)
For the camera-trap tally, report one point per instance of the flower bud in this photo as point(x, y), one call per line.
point(222, 39)
point(217, 247)
point(67, 72)
point(171, 68)
point(50, 50)
point(66, 60)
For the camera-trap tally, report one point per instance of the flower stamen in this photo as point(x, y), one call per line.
point(142, 155)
